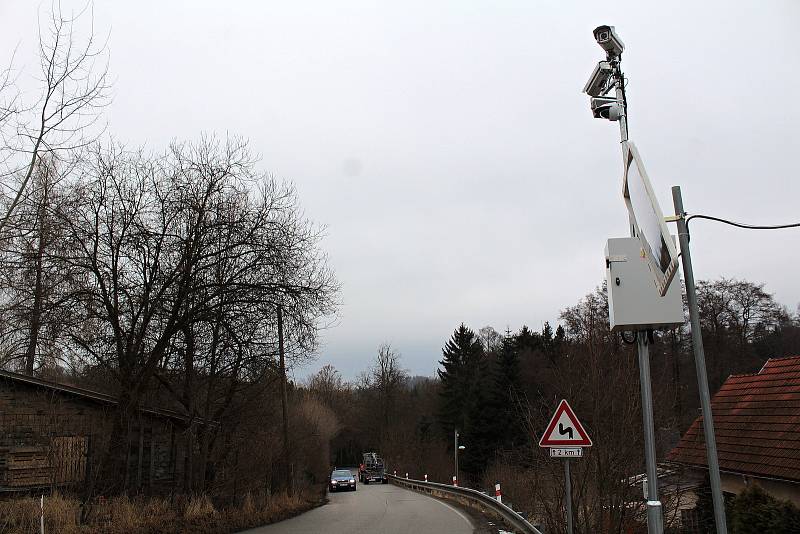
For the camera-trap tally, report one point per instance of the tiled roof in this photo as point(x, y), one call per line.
point(756, 422)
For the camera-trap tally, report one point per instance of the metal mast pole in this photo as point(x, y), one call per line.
point(620, 92)
point(455, 452)
point(568, 496)
point(700, 364)
point(654, 516)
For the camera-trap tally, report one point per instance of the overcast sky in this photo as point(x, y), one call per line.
point(449, 151)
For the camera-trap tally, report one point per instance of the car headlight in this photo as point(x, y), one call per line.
point(352, 481)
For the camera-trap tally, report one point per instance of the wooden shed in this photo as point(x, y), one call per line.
point(53, 435)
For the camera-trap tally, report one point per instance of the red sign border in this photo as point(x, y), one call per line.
point(565, 407)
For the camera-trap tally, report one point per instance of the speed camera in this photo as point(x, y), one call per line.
point(608, 39)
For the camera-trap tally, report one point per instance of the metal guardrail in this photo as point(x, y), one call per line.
point(511, 517)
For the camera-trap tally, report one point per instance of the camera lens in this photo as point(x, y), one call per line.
point(603, 37)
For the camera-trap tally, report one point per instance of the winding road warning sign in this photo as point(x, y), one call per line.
point(564, 430)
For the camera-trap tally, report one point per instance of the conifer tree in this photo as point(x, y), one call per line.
point(481, 429)
point(527, 339)
point(460, 360)
point(505, 391)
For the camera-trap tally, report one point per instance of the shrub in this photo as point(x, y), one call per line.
point(756, 512)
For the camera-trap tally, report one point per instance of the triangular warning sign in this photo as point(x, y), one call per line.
point(564, 430)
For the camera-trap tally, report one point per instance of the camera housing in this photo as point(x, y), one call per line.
point(608, 39)
point(605, 107)
point(598, 81)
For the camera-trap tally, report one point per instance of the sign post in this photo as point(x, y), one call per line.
point(565, 437)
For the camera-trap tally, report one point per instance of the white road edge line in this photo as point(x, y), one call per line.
point(456, 510)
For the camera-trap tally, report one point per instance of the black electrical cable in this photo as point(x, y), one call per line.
point(742, 225)
point(625, 340)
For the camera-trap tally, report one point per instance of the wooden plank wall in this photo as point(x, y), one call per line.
point(50, 438)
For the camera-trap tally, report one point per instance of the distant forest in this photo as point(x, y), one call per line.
point(500, 389)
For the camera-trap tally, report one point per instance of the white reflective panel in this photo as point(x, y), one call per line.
point(647, 220)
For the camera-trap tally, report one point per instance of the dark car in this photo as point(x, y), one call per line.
point(342, 479)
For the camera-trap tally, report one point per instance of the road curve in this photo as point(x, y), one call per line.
point(373, 509)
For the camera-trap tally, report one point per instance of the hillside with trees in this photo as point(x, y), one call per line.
point(499, 391)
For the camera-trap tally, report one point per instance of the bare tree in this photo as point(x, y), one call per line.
point(33, 277)
point(386, 378)
point(259, 256)
point(183, 258)
point(734, 314)
point(328, 385)
point(490, 338)
point(74, 90)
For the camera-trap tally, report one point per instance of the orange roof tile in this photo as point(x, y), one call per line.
point(756, 422)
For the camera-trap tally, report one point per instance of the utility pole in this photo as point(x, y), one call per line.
point(285, 406)
point(455, 452)
point(700, 364)
point(655, 522)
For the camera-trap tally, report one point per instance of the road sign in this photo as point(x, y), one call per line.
point(566, 452)
point(648, 220)
point(565, 430)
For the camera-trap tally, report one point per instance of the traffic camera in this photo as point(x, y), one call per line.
point(608, 39)
point(606, 107)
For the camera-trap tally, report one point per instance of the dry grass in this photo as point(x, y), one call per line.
point(199, 507)
point(124, 515)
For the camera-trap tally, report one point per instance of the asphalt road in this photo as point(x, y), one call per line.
point(376, 509)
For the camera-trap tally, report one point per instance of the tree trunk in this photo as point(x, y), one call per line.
point(38, 290)
point(36, 315)
point(188, 395)
point(115, 466)
point(284, 406)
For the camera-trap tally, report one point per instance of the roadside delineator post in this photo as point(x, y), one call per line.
point(455, 481)
point(497, 494)
point(406, 476)
point(395, 472)
point(426, 477)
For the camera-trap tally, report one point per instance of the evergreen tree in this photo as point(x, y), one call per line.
point(755, 511)
point(482, 429)
point(561, 336)
point(526, 339)
point(461, 357)
point(705, 508)
point(505, 395)
point(551, 344)
point(492, 422)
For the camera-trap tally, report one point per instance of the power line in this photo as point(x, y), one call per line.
point(742, 225)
